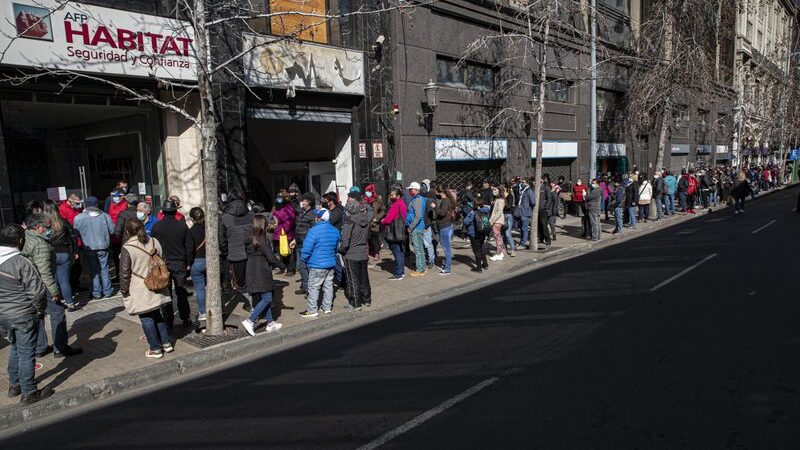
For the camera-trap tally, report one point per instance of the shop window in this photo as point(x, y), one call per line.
point(469, 75)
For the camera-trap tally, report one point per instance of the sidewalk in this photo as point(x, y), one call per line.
point(113, 344)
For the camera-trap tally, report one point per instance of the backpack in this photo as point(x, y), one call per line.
point(157, 278)
point(482, 225)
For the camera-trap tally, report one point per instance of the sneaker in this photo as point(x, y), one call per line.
point(512, 254)
point(273, 326)
point(44, 353)
point(308, 315)
point(201, 317)
point(155, 354)
point(443, 273)
point(72, 307)
point(418, 274)
point(167, 347)
point(301, 292)
point(395, 278)
point(327, 311)
point(249, 326)
point(14, 390)
point(69, 351)
point(40, 394)
point(476, 270)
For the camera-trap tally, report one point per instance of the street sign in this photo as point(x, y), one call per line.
point(794, 154)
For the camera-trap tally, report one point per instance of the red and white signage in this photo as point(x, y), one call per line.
point(86, 38)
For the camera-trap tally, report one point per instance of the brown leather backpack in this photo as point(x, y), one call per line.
point(157, 278)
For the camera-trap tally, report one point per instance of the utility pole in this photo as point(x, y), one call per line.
point(593, 110)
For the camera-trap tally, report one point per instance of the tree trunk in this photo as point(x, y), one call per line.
point(662, 135)
point(537, 187)
point(208, 132)
point(717, 34)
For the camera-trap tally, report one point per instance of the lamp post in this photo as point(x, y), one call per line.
point(431, 95)
point(593, 103)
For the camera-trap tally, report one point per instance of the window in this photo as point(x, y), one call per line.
point(469, 75)
point(558, 91)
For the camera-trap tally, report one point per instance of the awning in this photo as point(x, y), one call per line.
point(680, 149)
point(299, 115)
point(469, 149)
point(556, 149)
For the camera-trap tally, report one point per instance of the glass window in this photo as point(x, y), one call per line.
point(449, 73)
point(480, 78)
point(470, 75)
point(558, 91)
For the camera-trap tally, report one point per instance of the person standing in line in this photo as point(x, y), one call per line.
point(683, 185)
point(578, 193)
point(176, 241)
point(429, 237)
point(353, 249)
point(645, 196)
point(692, 189)
point(132, 202)
point(65, 246)
point(198, 269)
point(95, 228)
point(336, 210)
point(508, 217)
point(260, 263)
point(319, 255)
point(397, 211)
point(377, 211)
point(594, 201)
point(497, 220)
point(527, 201)
point(605, 187)
point(415, 221)
point(672, 190)
point(565, 196)
point(659, 190)
point(117, 206)
point(23, 299)
point(618, 203)
point(234, 228)
point(144, 212)
point(120, 189)
point(69, 210)
point(444, 207)
point(138, 299)
point(631, 201)
point(551, 206)
point(476, 222)
point(545, 207)
point(305, 218)
point(284, 214)
point(178, 214)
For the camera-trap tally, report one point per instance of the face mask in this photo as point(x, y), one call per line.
point(116, 199)
point(368, 194)
point(48, 233)
point(76, 205)
point(279, 200)
point(139, 215)
point(594, 186)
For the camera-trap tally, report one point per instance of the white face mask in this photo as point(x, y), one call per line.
point(368, 194)
point(140, 215)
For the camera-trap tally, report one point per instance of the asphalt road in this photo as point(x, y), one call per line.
point(594, 352)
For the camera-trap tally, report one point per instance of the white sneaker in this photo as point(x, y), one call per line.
point(493, 258)
point(273, 326)
point(500, 257)
point(201, 317)
point(248, 325)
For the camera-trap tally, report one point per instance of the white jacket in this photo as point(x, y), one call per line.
point(645, 193)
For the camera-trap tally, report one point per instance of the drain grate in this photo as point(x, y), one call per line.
point(198, 338)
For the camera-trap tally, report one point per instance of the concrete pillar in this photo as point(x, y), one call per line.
point(182, 160)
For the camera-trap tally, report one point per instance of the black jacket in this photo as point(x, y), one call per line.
point(234, 228)
point(66, 241)
point(198, 232)
point(128, 213)
point(443, 212)
point(176, 241)
point(337, 217)
point(355, 233)
point(260, 262)
point(303, 221)
point(546, 200)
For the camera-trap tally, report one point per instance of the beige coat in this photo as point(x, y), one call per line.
point(134, 261)
point(497, 212)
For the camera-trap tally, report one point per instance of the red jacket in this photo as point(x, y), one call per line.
point(578, 191)
point(115, 208)
point(68, 212)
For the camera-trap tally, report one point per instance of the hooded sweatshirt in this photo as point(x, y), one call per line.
point(355, 232)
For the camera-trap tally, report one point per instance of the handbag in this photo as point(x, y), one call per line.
point(396, 231)
point(283, 244)
point(566, 196)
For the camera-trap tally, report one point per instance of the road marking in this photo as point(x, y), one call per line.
point(719, 219)
point(427, 415)
point(573, 316)
point(682, 273)
point(765, 226)
point(687, 231)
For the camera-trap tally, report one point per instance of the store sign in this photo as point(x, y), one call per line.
point(610, 150)
point(680, 149)
point(86, 38)
point(465, 149)
point(794, 154)
point(722, 149)
point(288, 64)
point(377, 149)
point(362, 150)
point(556, 149)
point(703, 149)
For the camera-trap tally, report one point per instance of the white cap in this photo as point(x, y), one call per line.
point(413, 185)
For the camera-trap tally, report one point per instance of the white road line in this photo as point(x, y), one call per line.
point(719, 219)
point(682, 273)
point(427, 415)
point(765, 226)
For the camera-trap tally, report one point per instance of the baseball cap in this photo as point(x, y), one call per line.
point(323, 214)
point(413, 185)
point(91, 201)
point(355, 189)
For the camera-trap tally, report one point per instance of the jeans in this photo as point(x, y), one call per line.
point(58, 326)
point(22, 356)
point(682, 199)
point(418, 241)
point(445, 236)
point(428, 242)
point(618, 220)
point(712, 196)
point(399, 258)
point(594, 223)
point(177, 272)
point(198, 274)
point(320, 279)
point(644, 212)
point(526, 229)
point(262, 304)
point(358, 291)
point(738, 203)
point(302, 267)
point(659, 208)
point(509, 239)
point(63, 267)
point(632, 216)
point(98, 268)
point(155, 329)
point(669, 203)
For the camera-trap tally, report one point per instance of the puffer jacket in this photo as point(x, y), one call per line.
point(95, 228)
point(470, 217)
point(355, 232)
point(234, 226)
point(305, 219)
point(319, 248)
point(40, 252)
point(22, 293)
point(134, 265)
point(285, 217)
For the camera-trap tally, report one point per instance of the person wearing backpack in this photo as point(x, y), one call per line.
point(178, 245)
point(397, 211)
point(135, 263)
point(415, 221)
point(477, 225)
point(527, 201)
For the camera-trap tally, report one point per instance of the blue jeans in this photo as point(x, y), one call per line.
point(98, 268)
point(58, 326)
point(682, 199)
point(418, 241)
point(618, 216)
point(63, 268)
point(632, 214)
point(22, 355)
point(264, 306)
point(198, 274)
point(399, 258)
point(428, 242)
point(155, 329)
point(509, 239)
point(319, 279)
point(659, 208)
point(526, 227)
point(738, 204)
point(445, 236)
point(669, 204)
point(302, 267)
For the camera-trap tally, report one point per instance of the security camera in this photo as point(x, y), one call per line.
point(379, 40)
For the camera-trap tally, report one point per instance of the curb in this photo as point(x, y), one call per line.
point(14, 415)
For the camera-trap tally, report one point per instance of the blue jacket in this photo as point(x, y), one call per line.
point(415, 217)
point(672, 184)
point(527, 202)
point(319, 246)
point(469, 219)
point(95, 228)
point(148, 226)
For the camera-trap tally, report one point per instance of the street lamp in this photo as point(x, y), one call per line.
point(431, 91)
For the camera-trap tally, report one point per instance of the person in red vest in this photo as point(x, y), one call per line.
point(178, 215)
point(117, 205)
point(70, 208)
